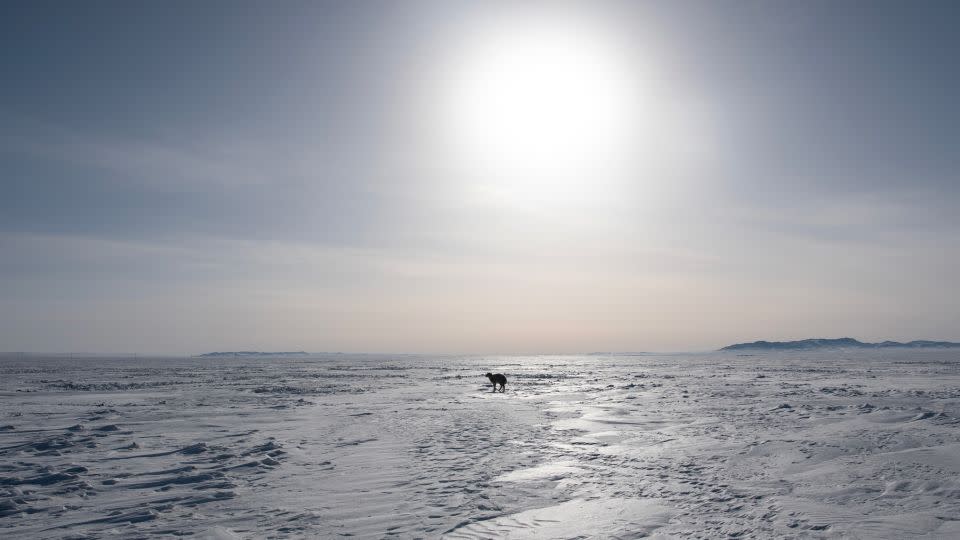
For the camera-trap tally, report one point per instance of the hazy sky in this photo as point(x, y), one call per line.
point(476, 176)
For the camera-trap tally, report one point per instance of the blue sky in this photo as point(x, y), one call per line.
point(182, 177)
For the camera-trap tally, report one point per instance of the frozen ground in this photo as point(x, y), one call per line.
point(803, 445)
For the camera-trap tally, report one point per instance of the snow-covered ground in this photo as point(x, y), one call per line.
point(805, 445)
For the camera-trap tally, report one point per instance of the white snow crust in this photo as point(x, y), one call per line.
point(850, 444)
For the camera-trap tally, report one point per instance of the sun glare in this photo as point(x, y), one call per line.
point(540, 110)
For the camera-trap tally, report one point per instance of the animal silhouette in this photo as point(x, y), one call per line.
point(498, 378)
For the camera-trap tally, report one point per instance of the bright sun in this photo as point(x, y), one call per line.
point(540, 109)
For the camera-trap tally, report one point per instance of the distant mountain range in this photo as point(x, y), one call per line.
point(251, 353)
point(839, 343)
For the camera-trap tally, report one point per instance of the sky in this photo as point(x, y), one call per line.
point(476, 177)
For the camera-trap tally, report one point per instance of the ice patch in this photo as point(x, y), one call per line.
point(599, 518)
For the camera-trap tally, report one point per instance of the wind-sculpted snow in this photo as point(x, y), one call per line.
point(860, 444)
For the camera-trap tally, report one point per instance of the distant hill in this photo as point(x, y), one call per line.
point(839, 343)
point(251, 353)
